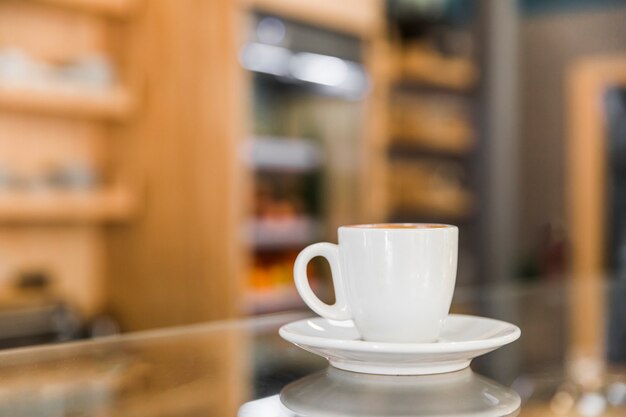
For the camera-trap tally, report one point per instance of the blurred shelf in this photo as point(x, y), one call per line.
point(445, 134)
point(425, 87)
point(430, 84)
point(278, 298)
point(450, 204)
point(426, 215)
point(58, 100)
point(272, 234)
point(280, 72)
point(112, 8)
point(437, 123)
point(433, 212)
point(284, 154)
point(106, 205)
point(356, 17)
point(272, 300)
point(423, 66)
point(400, 148)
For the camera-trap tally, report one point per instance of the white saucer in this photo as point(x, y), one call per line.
point(462, 339)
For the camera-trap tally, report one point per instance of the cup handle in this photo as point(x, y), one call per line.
point(330, 251)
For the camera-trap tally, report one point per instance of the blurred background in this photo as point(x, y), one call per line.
point(162, 162)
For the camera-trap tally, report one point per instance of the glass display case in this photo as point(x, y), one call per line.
point(304, 151)
point(244, 368)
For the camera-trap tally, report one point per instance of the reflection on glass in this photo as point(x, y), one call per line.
point(333, 392)
point(336, 75)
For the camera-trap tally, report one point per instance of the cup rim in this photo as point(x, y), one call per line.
point(400, 227)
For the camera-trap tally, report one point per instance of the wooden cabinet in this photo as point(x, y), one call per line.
point(589, 79)
point(58, 186)
point(181, 259)
point(160, 241)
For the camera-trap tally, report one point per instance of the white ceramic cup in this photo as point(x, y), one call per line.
point(395, 281)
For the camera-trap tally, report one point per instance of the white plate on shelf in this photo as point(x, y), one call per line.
point(462, 339)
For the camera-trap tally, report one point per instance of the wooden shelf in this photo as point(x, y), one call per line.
point(272, 300)
point(111, 8)
point(432, 84)
point(402, 148)
point(421, 65)
point(429, 215)
point(110, 204)
point(362, 18)
point(267, 234)
point(284, 154)
point(278, 298)
point(443, 202)
point(433, 141)
point(447, 134)
point(115, 104)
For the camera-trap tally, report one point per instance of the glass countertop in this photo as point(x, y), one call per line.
point(243, 367)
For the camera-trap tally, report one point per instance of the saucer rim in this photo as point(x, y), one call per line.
point(409, 348)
